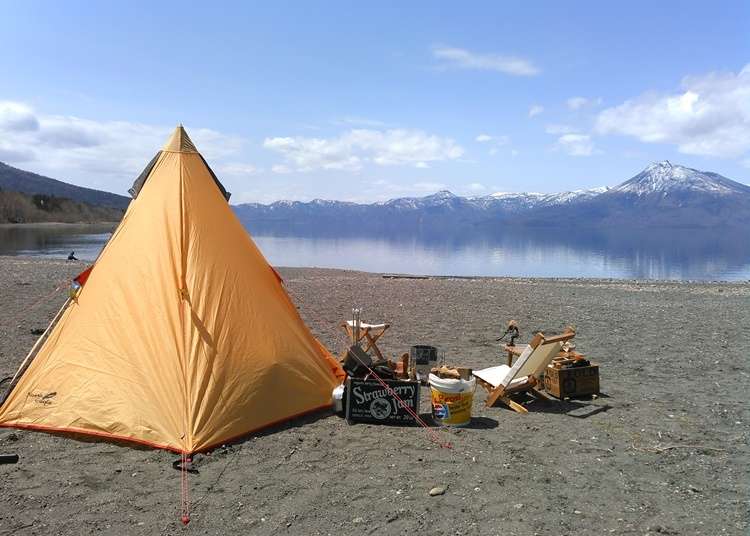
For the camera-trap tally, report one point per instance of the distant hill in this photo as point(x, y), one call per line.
point(18, 180)
point(662, 195)
point(18, 207)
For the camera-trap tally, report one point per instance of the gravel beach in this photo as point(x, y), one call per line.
point(664, 450)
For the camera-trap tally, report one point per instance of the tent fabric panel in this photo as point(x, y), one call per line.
point(113, 361)
point(252, 359)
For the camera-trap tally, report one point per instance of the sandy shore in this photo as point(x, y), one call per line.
point(665, 454)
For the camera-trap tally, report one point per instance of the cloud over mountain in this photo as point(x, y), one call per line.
point(352, 149)
point(709, 116)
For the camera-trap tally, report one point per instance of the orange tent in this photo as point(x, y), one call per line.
point(182, 336)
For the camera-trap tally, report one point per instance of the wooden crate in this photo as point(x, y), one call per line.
point(368, 401)
point(572, 382)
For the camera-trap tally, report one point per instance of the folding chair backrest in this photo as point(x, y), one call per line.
point(537, 355)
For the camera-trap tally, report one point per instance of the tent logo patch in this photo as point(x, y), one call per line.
point(43, 398)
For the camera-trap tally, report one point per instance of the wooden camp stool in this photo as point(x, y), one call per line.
point(525, 375)
point(367, 332)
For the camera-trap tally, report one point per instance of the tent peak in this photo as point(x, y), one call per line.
point(180, 142)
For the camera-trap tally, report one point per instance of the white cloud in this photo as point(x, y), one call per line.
point(360, 122)
point(98, 154)
point(495, 140)
point(709, 116)
point(13, 154)
point(17, 117)
point(535, 110)
point(477, 187)
point(559, 129)
point(235, 168)
point(576, 103)
point(576, 144)
point(571, 141)
point(281, 169)
point(263, 192)
point(460, 58)
point(355, 148)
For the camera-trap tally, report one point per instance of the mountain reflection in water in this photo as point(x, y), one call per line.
point(679, 254)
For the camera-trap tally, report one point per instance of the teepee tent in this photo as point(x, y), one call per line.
point(182, 336)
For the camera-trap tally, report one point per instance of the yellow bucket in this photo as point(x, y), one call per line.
point(451, 400)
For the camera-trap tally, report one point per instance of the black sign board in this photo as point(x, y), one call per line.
point(369, 401)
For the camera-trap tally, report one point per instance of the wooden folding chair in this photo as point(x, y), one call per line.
point(367, 332)
point(526, 373)
point(514, 351)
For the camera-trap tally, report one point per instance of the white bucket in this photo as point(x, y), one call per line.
point(452, 400)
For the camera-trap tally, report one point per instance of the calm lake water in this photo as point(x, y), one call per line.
point(664, 254)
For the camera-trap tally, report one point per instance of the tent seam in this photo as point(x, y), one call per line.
point(188, 440)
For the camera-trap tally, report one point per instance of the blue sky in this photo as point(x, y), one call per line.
point(299, 100)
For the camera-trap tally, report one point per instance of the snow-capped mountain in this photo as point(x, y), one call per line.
point(666, 194)
point(665, 177)
point(521, 201)
point(443, 198)
point(442, 201)
point(663, 194)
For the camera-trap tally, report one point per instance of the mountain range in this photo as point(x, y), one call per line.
point(663, 195)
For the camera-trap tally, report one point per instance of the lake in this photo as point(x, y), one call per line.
point(654, 254)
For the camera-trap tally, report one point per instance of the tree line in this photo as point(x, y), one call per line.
point(17, 207)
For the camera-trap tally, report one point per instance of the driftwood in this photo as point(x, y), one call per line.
point(459, 373)
point(661, 450)
point(409, 276)
point(404, 276)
